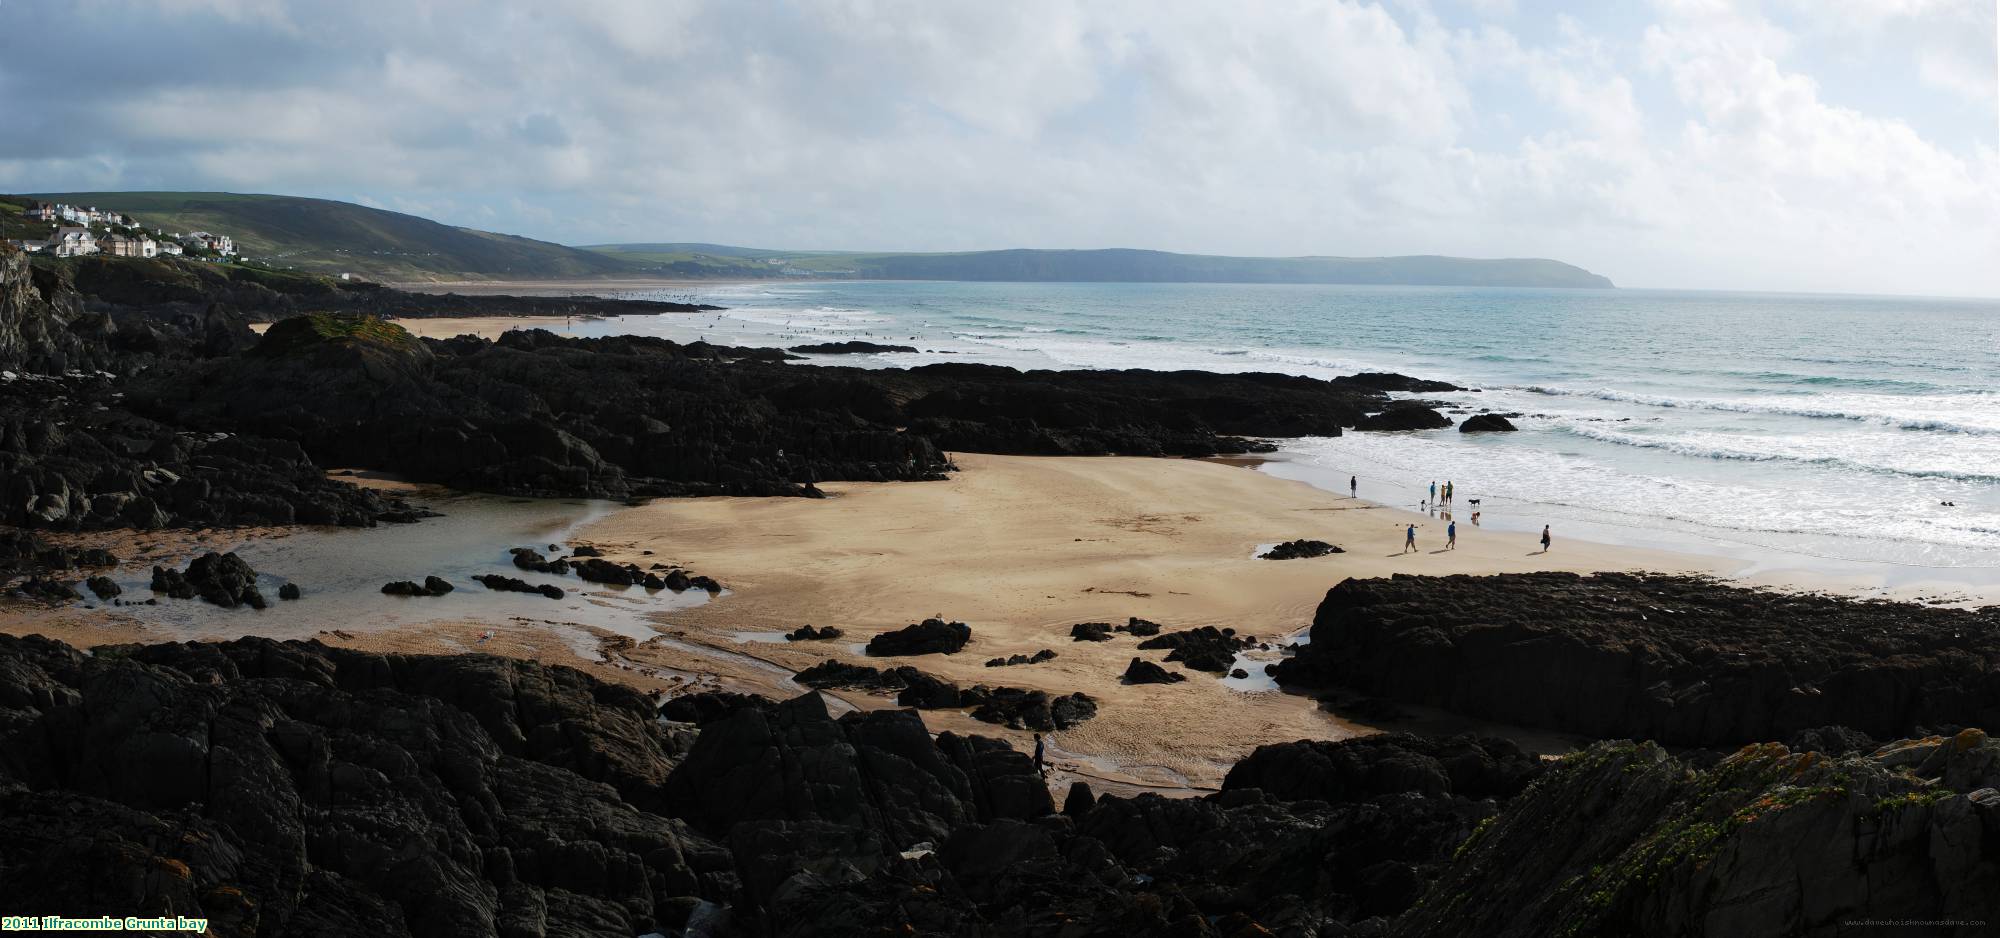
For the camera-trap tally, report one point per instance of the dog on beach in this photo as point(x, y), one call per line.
point(1473, 502)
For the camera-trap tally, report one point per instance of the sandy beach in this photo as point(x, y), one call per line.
point(1021, 548)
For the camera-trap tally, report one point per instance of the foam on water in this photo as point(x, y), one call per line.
point(1813, 426)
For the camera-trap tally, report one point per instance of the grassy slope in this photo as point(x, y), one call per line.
point(324, 236)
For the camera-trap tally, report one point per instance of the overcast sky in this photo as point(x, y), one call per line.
point(1825, 145)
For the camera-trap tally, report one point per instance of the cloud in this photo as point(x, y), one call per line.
point(1695, 148)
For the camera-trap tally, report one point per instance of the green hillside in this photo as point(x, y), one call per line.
point(324, 236)
point(1105, 265)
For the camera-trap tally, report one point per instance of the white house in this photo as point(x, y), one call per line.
point(30, 245)
point(220, 244)
point(43, 211)
point(168, 247)
point(73, 242)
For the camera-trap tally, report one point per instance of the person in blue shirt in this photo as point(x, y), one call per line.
point(1410, 539)
point(1451, 536)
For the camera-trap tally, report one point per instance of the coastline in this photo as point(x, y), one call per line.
point(1021, 548)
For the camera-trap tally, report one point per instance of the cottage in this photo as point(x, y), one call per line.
point(43, 211)
point(208, 241)
point(30, 245)
point(167, 247)
point(73, 242)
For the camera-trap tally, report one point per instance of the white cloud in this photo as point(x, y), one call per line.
point(1698, 150)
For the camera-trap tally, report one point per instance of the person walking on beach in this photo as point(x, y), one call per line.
point(1434, 490)
point(1451, 536)
point(1410, 539)
point(1545, 539)
point(1353, 487)
point(1041, 767)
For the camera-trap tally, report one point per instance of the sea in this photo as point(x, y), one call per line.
point(1850, 434)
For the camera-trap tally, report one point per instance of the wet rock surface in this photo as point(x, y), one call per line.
point(1486, 423)
point(431, 586)
point(508, 584)
point(807, 633)
point(1045, 654)
point(1681, 660)
point(1404, 416)
point(1299, 550)
point(1016, 707)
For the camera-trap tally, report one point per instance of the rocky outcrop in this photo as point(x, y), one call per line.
point(223, 579)
point(1206, 648)
point(1402, 384)
point(1404, 416)
point(850, 347)
point(1486, 423)
point(1299, 550)
point(290, 789)
point(1046, 654)
point(1015, 707)
point(1624, 839)
point(1101, 631)
point(1681, 660)
point(929, 637)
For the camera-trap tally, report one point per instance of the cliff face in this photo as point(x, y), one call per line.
point(1623, 839)
point(43, 328)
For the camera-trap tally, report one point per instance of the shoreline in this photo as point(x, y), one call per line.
point(1018, 547)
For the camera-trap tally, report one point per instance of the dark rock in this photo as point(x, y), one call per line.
point(1139, 627)
point(292, 789)
point(1299, 550)
point(1239, 674)
point(1682, 660)
point(1485, 423)
point(806, 633)
point(1624, 839)
point(599, 570)
point(1404, 416)
point(585, 550)
point(1141, 671)
point(49, 589)
point(508, 584)
point(929, 637)
point(1368, 767)
point(1090, 632)
point(431, 586)
point(1079, 801)
point(289, 591)
point(1206, 648)
point(223, 579)
point(103, 586)
point(1036, 658)
point(1379, 381)
point(708, 706)
point(851, 347)
point(528, 558)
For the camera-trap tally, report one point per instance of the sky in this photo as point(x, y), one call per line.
point(1809, 145)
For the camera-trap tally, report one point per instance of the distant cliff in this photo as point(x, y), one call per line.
point(1108, 265)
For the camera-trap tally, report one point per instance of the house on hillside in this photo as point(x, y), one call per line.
point(43, 211)
point(168, 247)
point(71, 241)
point(30, 245)
point(118, 245)
point(208, 241)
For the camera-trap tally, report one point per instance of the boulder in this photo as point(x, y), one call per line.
point(1485, 423)
point(1141, 671)
point(1404, 416)
point(929, 637)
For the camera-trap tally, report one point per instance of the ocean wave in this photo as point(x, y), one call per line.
point(1897, 421)
point(1710, 451)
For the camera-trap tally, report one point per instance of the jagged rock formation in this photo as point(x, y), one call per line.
point(1624, 839)
point(1681, 660)
point(1206, 648)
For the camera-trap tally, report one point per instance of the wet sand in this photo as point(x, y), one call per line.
point(1021, 548)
